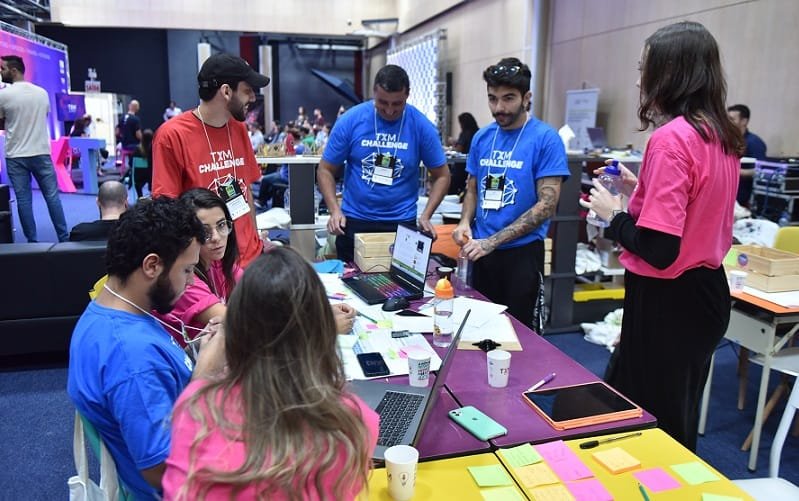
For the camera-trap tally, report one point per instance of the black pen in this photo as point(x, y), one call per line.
point(593, 443)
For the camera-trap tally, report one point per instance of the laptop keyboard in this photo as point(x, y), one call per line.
point(385, 286)
point(396, 411)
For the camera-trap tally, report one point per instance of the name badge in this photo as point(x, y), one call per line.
point(384, 170)
point(231, 194)
point(494, 189)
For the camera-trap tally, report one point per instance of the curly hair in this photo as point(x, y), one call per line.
point(509, 72)
point(161, 226)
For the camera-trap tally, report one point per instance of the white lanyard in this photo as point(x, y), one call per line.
point(510, 157)
point(493, 199)
point(211, 149)
point(396, 142)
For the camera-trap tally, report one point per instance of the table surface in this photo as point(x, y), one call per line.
point(762, 303)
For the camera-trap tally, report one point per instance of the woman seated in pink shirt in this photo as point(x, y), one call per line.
point(218, 271)
point(278, 423)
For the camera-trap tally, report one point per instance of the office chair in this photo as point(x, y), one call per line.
point(773, 488)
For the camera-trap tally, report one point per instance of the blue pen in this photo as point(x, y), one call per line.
point(541, 383)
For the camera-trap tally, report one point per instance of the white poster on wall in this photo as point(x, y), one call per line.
point(581, 106)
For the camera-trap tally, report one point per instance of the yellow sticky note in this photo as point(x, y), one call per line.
point(501, 494)
point(536, 474)
point(616, 460)
point(552, 493)
point(385, 324)
point(695, 473)
point(706, 496)
point(521, 455)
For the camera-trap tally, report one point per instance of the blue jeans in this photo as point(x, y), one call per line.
point(19, 172)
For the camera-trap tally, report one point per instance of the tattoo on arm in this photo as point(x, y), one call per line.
point(548, 189)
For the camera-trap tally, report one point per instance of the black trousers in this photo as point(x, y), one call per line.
point(669, 332)
point(512, 277)
point(345, 244)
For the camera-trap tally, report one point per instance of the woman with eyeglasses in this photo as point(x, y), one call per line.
point(677, 229)
point(278, 423)
point(218, 271)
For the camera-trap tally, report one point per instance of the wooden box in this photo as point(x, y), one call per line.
point(766, 261)
point(373, 251)
point(781, 283)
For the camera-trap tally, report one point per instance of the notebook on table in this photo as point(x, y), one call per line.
point(403, 409)
point(406, 276)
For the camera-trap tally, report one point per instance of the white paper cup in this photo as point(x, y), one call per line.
point(737, 280)
point(401, 461)
point(498, 368)
point(418, 368)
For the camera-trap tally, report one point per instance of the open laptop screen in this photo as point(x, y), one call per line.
point(411, 254)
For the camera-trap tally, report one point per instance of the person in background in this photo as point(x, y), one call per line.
point(321, 137)
point(341, 111)
point(258, 432)
point(256, 136)
point(383, 142)
point(144, 175)
point(516, 166)
point(308, 138)
point(302, 117)
point(23, 114)
point(274, 132)
point(469, 128)
point(677, 230)
point(209, 146)
point(80, 127)
point(755, 148)
point(125, 370)
point(130, 130)
point(318, 119)
point(172, 111)
point(112, 201)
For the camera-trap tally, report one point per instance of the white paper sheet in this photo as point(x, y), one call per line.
point(394, 351)
point(788, 299)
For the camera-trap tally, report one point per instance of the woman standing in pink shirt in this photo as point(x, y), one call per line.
point(677, 230)
point(278, 423)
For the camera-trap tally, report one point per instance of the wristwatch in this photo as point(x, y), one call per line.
point(614, 213)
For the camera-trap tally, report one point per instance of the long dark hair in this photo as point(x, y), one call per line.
point(468, 123)
point(280, 346)
point(681, 75)
point(201, 198)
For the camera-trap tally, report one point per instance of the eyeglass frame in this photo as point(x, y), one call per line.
point(223, 229)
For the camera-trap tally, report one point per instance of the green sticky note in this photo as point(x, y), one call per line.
point(521, 455)
point(490, 476)
point(706, 496)
point(385, 324)
point(694, 473)
point(501, 494)
point(731, 259)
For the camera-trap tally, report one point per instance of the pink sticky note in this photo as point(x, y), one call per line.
point(589, 490)
point(563, 461)
point(656, 480)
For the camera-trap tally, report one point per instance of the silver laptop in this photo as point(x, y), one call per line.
point(403, 409)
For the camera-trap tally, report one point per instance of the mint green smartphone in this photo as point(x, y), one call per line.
point(477, 423)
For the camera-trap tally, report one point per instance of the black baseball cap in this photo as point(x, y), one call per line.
point(226, 68)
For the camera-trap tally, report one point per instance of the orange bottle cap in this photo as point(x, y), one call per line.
point(444, 289)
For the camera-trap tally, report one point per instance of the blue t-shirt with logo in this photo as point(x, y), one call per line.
point(125, 374)
point(522, 156)
point(360, 137)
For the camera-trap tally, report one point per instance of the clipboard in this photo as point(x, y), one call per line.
point(500, 330)
point(584, 404)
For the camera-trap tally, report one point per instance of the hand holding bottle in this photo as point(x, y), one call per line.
point(628, 180)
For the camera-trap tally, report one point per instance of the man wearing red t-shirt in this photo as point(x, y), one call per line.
point(208, 147)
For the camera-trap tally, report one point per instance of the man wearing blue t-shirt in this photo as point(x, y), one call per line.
point(382, 142)
point(516, 166)
point(755, 148)
point(125, 369)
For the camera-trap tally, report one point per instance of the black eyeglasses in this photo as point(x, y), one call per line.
point(501, 70)
point(223, 229)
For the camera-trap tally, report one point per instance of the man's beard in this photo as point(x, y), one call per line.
point(512, 117)
point(161, 294)
point(237, 109)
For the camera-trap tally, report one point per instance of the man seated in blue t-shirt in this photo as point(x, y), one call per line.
point(383, 142)
point(516, 166)
point(125, 369)
point(755, 148)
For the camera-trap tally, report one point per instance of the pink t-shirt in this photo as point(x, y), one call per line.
point(197, 298)
point(219, 452)
point(686, 187)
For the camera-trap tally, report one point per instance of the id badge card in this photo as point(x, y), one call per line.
point(231, 194)
point(494, 189)
point(384, 170)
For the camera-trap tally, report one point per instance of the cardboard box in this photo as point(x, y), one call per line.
point(781, 283)
point(373, 251)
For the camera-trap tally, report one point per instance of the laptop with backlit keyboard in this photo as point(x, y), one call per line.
point(406, 276)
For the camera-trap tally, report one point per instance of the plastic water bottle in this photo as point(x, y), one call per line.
point(442, 316)
point(611, 180)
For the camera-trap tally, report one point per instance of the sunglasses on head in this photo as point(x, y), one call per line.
point(500, 70)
